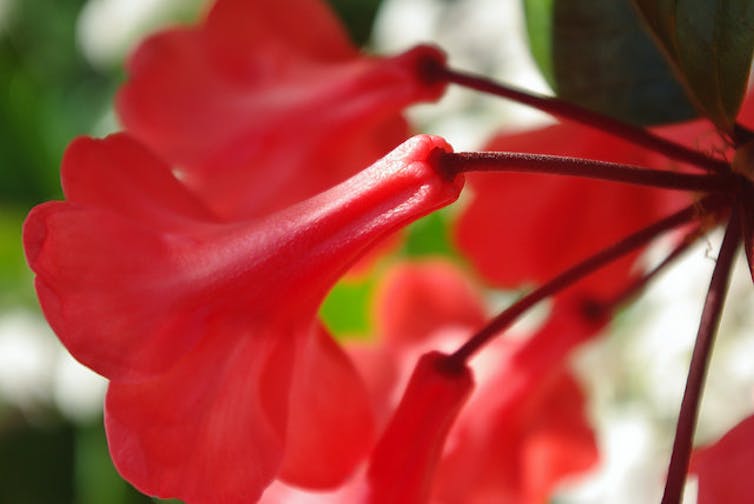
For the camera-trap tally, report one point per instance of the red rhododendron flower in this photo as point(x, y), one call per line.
point(556, 221)
point(224, 101)
point(402, 465)
point(724, 468)
point(523, 429)
point(516, 437)
point(221, 378)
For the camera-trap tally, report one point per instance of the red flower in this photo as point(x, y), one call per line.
point(524, 427)
point(224, 101)
point(221, 379)
point(724, 468)
point(402, 465)
point(527, 228)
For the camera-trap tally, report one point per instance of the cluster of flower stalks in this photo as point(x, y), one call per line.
point(262, 156)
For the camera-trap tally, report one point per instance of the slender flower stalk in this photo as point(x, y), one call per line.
point(713, 308)
point(565, 110)
point(503, 320)
point(589, 168)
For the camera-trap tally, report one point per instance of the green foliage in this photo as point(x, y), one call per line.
point(96, 479)
point(710, 42)
point(358, 17)
point(346, 310)
point(599, 55)
point(538, 17)
point(430, 236)
point(15, 277)
point(36, 464)
point(48, 94)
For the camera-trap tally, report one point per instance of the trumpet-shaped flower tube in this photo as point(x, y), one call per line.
point(524, 427)
point(223, 101)
point(220, 374)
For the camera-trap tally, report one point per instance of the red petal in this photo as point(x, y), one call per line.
point(403, 463)
point(525, 428)
point(331, 424)
point(119, 174)
point(225, 101)
point(724, 468)
point(559, 439)
point(556, 221)
point(416, 299)
point(212, 429)
point(111, 289)
point(746, 114)
point(238, 28)
point(131, 287)
point(517, 452)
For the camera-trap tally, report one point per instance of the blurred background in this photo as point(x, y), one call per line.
point(61, 62)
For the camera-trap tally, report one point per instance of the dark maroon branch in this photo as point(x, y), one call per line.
point(510, 315)
point(588, 168)
point(565, 110)
point(713, 307)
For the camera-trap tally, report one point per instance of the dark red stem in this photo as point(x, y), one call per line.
point(565, 110)
point(692, 395)
point(580, 270)
point(560, 165)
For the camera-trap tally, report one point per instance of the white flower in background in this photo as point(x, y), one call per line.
point(108, 29)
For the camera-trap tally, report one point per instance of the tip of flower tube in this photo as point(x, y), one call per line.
point(428, 63)
point(425, 153)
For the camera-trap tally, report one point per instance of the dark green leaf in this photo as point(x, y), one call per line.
point(96, 478)
point(36, 464)
point(539, 27)
point(710, 42)
point(357, 16)
point(598, 54)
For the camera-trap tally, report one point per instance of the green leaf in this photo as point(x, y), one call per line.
point(346, 309)
point(358, 17)
point(96, 479)
point(538, 16)
point(36, 464)
point(710, 42)
point(598, 54)
point(429, 236)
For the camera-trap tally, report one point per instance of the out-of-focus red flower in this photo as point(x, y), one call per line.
point(524, 427)
point(522, 430)
point(724, 468)
point(526, 228)
point(225, 101)
point(221, 378)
